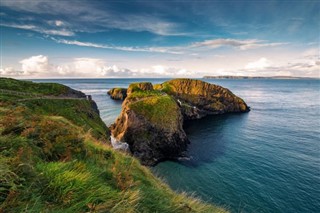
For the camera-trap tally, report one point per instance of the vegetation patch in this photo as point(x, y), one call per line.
point(30, 87)
point(165, 87)
point(161, 110)
point(141, 86)
point(143, 94)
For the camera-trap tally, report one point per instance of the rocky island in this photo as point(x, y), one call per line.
point(152, 116)
point(118, 93)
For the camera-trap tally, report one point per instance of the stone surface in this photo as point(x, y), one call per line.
point(151, 123)
point(198, 98)
point(118, 93)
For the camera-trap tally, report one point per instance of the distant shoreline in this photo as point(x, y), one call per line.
point(254, 77)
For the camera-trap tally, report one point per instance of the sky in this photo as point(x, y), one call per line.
point(128, 39)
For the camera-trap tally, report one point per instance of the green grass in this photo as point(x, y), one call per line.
point(54, 157)
point(119, 89)
point(140, 86)
point(30, 87)
point(161, 110)
point(143, 94)
point(164, 87)
point(77, 111)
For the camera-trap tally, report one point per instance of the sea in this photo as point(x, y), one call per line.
point(267, 160)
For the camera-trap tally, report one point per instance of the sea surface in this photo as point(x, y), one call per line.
point(267, 160)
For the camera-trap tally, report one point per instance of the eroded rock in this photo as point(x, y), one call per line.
point(118, 93)
point(199, 98)
point(151, 123)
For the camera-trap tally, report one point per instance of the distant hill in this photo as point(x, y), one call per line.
point(253, 77)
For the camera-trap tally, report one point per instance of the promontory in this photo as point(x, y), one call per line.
point(55, 156)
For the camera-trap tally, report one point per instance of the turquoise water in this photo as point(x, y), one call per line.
point(267, 160)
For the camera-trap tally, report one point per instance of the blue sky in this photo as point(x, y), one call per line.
point(47, 38)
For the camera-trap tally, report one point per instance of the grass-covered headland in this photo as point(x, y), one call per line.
point(55, 157)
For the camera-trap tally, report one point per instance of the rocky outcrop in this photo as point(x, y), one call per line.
point(140, 87)
point(152, 117)
point(118, 93)
point(198, 98)
point(151, 123)
point(71, 93)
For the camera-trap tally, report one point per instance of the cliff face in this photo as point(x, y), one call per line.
point(151, 118)
point(118, 93)
point(151, 123)
point(198, 99)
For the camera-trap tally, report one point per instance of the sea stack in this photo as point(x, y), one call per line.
point(118, 93)
point(151, 123)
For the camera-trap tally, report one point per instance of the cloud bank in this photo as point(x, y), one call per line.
point(186, 49)
point(39, 67)
point(236, 43)
point(42, 30)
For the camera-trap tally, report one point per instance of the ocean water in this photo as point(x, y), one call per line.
point(267, 160)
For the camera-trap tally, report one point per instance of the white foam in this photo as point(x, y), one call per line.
point(118, 145)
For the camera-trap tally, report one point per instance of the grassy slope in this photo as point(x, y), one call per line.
point(54, 158)
point(28, 86)
point(160, 110)
point(156, 106)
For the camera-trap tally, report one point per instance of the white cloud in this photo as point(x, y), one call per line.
point(260, 64)
point(311, 53)
point(35, 64)
point(10, 72)
point(59, 23)
point(83, 66)
point(300, 67)
point(19, 26)
point(58, 32)
point(164, 71)
point(171, 50)
point(56, 23)
point(38, 66)
point(115, 71)
point(187, 49)
point(62, 32)
point(240, 44)
point(92, 67)
point(82, 44)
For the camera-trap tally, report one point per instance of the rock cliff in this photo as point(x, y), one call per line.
point(152, 117)
point(151, 123)
point(118, 93)
point(198, 98)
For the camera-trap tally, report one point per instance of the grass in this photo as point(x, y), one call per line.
point(54, 157)
point(119, 89)
point(165, 87)
point(29, 87)
point(161, 110)
point(143, 94)
point(141, 86)
point(77, 111)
